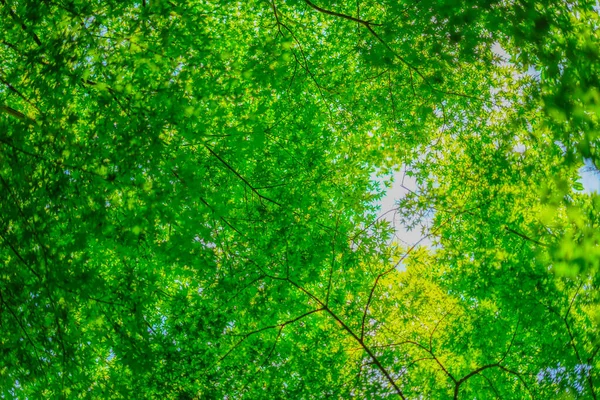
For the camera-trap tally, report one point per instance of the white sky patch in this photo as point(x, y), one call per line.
point(388, 205)
point(499, 52)
point(402, 185)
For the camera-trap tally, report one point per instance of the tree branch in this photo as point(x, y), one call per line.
point(340, 15)
point(281, 326)
point(523, 236)
point(229, 167)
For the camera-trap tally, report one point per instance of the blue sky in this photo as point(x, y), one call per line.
point(590, 178)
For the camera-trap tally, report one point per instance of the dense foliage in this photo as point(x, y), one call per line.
point(189, 194)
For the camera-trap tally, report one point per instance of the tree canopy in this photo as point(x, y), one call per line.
point(189, 195)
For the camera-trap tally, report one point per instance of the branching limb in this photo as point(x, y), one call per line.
point(493, 365)
point(523, 236)
point(16, 318)
point(229, 167)
point(340, 15)
point(369, 26)
point(359, 340)
point(280, 326)
point(20, 22)
point(14, 113)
